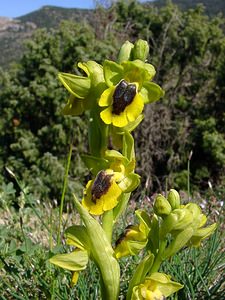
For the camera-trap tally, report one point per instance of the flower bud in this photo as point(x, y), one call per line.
point(174, 199)
point(125, 51)
point(140, 50)
point(162, 206)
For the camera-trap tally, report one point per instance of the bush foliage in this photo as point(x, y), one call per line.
point(187, 49)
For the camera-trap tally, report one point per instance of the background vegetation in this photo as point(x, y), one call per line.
point(187, 48)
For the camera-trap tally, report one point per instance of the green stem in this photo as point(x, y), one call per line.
point(64, 191)
point(97, 134)
point(188, 179)
point(107, 223)
point(158, 259)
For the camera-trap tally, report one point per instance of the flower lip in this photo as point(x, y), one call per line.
point(124, 234)
point(123, 96)
point(101, 185)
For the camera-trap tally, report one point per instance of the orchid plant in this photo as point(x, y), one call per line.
point(115, 94)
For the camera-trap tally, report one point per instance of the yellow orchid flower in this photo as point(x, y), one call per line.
point(157, 286)
point(102, 193)
point(129, 88)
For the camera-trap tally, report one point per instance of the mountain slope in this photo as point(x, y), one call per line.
point(13, 32)
point(51, 16)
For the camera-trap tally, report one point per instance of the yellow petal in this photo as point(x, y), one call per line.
point(134, 109)
point(106, 97)
point(106, 115)
point(89, 204)
point(74, 278)
point(120, 120)
point(93, 208)
point(110, 199)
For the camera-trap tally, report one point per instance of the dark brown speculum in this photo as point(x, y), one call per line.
point(101, 185)
point(123, 96)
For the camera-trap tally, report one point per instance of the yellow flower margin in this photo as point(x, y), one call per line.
point(107, 201)
point(130, 113)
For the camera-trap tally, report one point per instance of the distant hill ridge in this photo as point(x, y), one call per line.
point(50, 16)
point(13, 32)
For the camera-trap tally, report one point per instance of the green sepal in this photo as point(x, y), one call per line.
point(132, 125)
point(128, 146)
point(78, 86)
point(74, 261)
point(114, 155)
point(74, 106)
point(145, 221)
point(102, 253)
point(96, 75)
point(125, 52)
point(140, 273)
point(151, 92)
point(113, 72)
point(129, 183)
point(76, 235)
point(201, 234)
point(94, 164)
point(140, 50)
point(179, 241)
point(138, 71)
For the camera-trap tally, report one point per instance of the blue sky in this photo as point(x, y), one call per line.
point(16, 8)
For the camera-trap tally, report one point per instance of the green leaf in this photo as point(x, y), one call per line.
point(74, 261)
point(151, 92)
point(78, 86)
point(113, 72)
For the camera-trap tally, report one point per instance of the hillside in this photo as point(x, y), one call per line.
point(13, 32)
point(51, 16)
